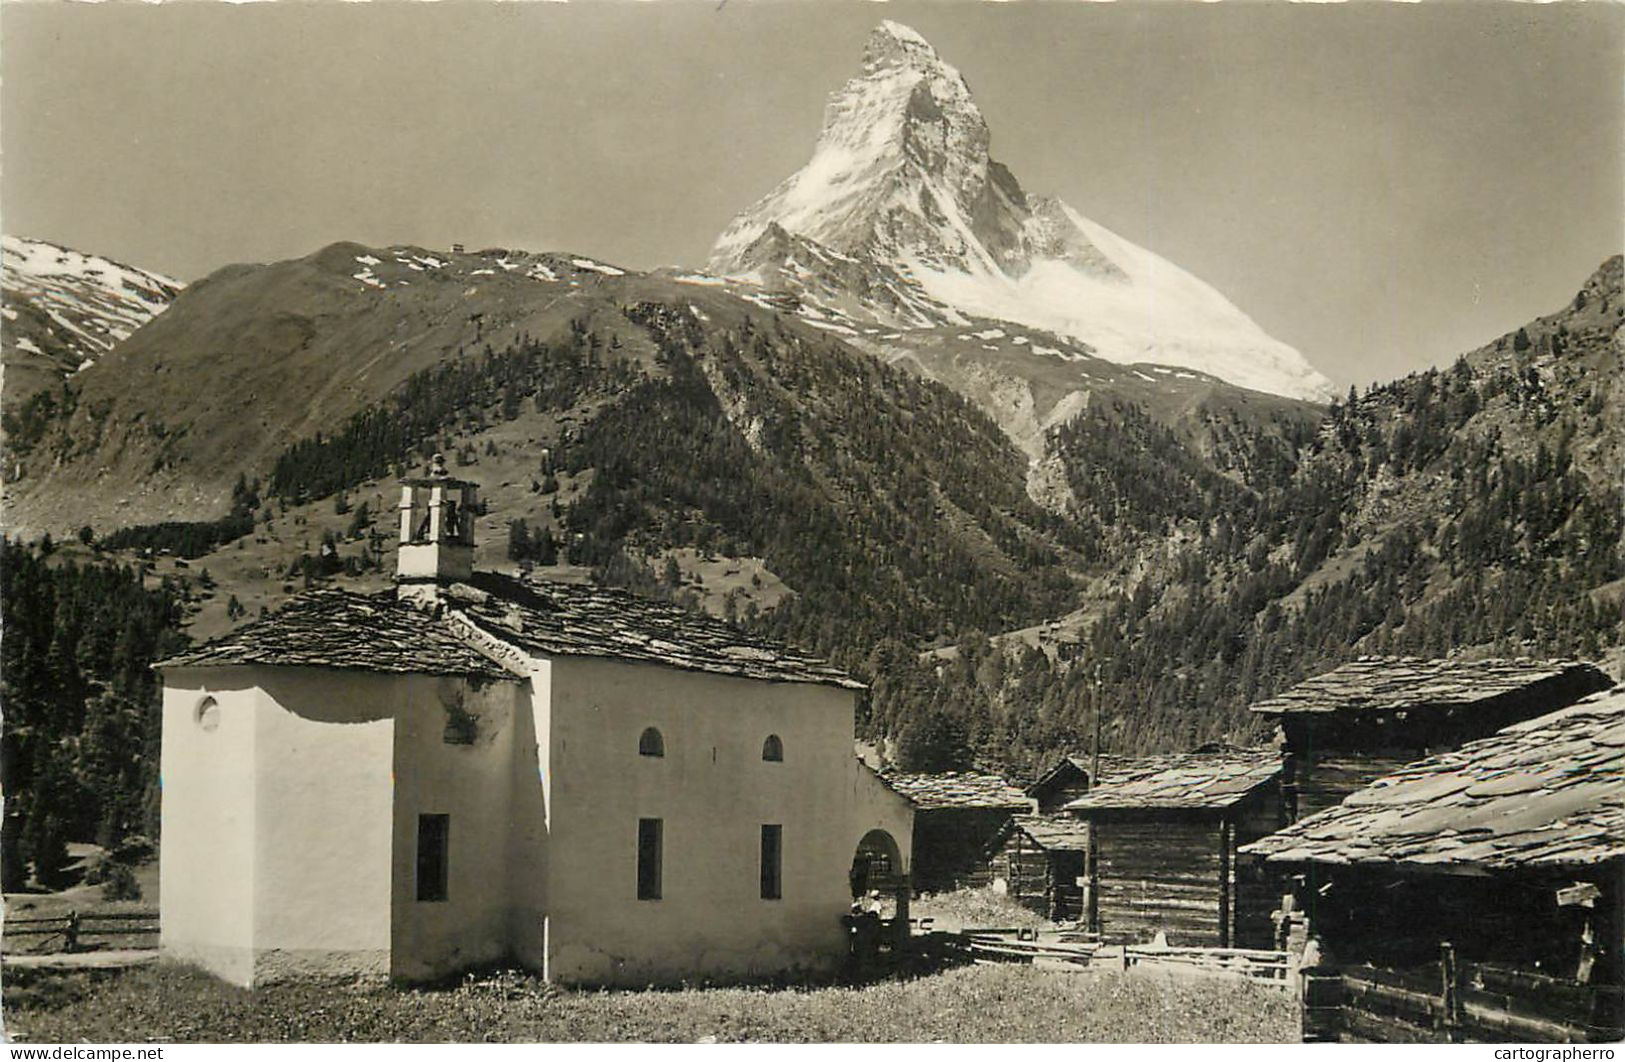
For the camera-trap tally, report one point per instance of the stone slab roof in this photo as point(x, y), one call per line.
point(352, 632)
point(1193, 780)
point(884, 781)
point(957, 789)
point(1055, 833)
point(1110, 764)
point(1549, 792)
point(378, 632)
point(556, 619)
point(1377, 684)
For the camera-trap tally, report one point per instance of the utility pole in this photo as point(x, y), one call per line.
point(1091, 903)
point(1094, 765)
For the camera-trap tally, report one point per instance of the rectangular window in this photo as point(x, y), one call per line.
point(649, 859)
point(434, 851)
point(772, 862)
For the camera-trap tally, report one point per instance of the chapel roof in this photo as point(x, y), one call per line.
point(380, 632)
point(956, 789)
point(345, 631)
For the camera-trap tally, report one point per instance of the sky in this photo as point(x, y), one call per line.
point(1383, 186)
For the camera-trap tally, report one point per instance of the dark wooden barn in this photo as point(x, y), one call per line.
point(1041, 862)
point(956, 815)
point(1366, 719)
point(1478, 895)
point(1166, 832)
point(1069, 779)
point(1060, 785)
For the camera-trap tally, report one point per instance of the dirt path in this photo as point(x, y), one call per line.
point(111, 959)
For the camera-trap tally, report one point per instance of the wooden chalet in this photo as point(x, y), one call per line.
point(1166, 831)
point(1476, 895)
point(956, 815)
point(1366, 719)
point(1068, 780)
point(1041, 861)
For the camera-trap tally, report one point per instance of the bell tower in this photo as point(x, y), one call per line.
point(437, 529)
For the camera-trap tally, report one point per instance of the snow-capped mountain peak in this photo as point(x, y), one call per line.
point(902, 208)
point(69, 308)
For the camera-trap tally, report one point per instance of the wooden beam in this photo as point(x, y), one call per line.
point(1226, 832)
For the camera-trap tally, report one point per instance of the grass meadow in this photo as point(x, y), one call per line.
point(964, 1004)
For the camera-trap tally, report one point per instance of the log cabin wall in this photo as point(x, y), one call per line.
point(1314, 784)
point(1024, 867)
point(1444, 958)
point(1043, 880)
point(1256, 893)
point(950, 845)
point(1159, 874)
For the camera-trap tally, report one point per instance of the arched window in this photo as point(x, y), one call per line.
point(773, 749)
point(651, 743)
point(207, 714)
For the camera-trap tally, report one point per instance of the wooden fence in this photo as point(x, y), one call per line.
point(1077, 949)
point(1273, 968)
point(1028, 946)
point(77, 929)
point(1446, 1002)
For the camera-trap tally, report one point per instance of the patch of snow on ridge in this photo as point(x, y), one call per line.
point(597, 267)
point(83, 304)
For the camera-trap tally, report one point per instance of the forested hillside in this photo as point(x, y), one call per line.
point(1476, 508)
point(81, 704)
point(1203, 559)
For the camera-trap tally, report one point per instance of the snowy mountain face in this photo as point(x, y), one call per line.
point(64, 309)
point(902, 219)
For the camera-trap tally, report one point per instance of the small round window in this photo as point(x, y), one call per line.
point(207, 713)
point(773, 749)
point(651, 743)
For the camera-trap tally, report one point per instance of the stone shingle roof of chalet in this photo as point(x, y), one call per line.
point(1376, 684)
point(1189, 780)
point(377, 632)
point(352, 632)
point(1548, 792)
point(1110, 764)
point(1055, 833)
point(957, 789)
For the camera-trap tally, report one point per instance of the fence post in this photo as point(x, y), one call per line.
point(72, 932)
point(1449, 975)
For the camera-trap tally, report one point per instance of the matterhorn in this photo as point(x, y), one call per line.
point(903, 220)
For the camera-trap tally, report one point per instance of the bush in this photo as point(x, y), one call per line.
point(134, 848)
point(120, 882)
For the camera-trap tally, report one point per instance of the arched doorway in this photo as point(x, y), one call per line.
point(880, 886)
point(877, 865)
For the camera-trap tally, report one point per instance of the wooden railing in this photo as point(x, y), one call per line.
point(1028, 946)
point(76, 928)
point(1273, 968)
point(1448, 1002)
